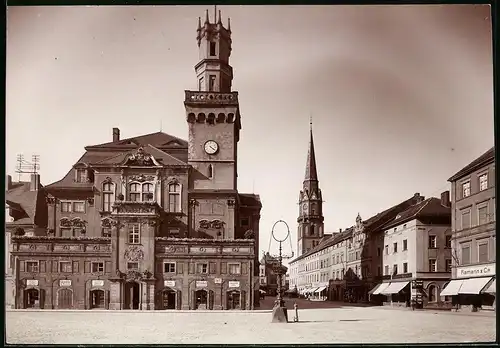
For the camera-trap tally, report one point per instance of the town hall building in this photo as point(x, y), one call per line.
point(154, 221)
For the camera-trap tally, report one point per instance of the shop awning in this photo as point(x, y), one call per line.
point(474, 285)
point(492, 288)
point(380, 288)
point(394, 288)
point(452, 288)
point(320, 289)
point(371, 292)
point(313, 290)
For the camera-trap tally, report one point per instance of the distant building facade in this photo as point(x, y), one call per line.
point(416, 255)
point(474, 234)
point(269, 276)
point(152, 222)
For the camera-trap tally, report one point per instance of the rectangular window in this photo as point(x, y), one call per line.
point(81, 175)
point(174, 194)
point(405, 267)
point(65, 267)
point(466, 189)
point(465, 219)
point(387, 250)
point(244, 222)
point(32, 266)
point(378, 251)
point(405, 244)
point(395, 247)
point(135, 192)
point(482, 215)
point(432, 242)
point(134, 235)
point(202, 268)
point(132, 266)
point(147, 192)
point(66, 232)
point(97, 267)
point(169, 267)
point(108, 196)
point(66, 207)
point(482, 253)
point(106, 232)
point(465, 255)
point(212, 49)
point(448, 242)
point(201, 82)
point(432, 265)
point(79, 207)
point(448, 265)
point(234, 268)
point(386, 270)
point(483, 182)
point(394, 269)
point(211, 82)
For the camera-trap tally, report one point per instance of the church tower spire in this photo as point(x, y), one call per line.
point(310, 220)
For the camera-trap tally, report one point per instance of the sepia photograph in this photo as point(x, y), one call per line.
point(250, 174)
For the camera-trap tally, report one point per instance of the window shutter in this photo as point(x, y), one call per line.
point(22, 267)
point(213, 266)
point(244, 268)
point(107, 267)
point(54, 266)
point(42, 267)
point(180, 267)
point(191, 268)
point(223, 267)
point(75, 267)
point(87, 267)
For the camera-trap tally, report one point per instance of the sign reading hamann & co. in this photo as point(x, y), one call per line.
point(476, 271)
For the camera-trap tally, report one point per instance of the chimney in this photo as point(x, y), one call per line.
point(445, 199)
point(8, 182)
point(340, 230)
point(116, 134)
point(418, 198)
point(35, 182)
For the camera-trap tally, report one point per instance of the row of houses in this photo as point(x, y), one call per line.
point(434, 252)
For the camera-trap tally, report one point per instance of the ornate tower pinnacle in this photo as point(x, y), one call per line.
point(311, 172)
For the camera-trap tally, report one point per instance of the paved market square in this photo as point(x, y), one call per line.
point(329, 325)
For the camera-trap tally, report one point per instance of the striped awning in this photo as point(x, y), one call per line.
point(492, 288)
point(380, 288)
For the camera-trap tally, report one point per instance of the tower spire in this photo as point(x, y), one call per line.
point(207, 20)
point(311, 172)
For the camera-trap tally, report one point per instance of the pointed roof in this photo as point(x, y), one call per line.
point(311, 172)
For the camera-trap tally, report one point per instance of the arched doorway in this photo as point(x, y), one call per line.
point(96, 299)
point(31, 298)
point(132, 295)
point(65, 299)
point(168, 299)
point(432, 293)
point(233, 299)
point(201, 299)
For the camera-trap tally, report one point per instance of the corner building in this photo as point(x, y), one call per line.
point(153, 222)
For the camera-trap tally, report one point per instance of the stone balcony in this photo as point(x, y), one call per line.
point(133, 208)
point(64, 245)
point(205, 247)
point(210, 98)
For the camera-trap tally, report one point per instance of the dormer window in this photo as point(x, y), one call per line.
point(81, 175)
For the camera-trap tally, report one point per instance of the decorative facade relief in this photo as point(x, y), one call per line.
point(134, 253)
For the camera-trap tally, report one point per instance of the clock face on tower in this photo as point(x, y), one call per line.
point(211, 147)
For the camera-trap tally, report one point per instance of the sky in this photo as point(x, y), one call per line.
point(401, 97)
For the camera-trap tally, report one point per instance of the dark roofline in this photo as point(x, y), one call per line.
point(486, 158)
point(113, 144)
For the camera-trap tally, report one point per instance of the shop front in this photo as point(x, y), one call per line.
point(473, 288)
point(392, 293)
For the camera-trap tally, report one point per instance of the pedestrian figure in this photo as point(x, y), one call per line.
point(296, 307)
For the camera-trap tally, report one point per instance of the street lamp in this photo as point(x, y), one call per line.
point(280, 314)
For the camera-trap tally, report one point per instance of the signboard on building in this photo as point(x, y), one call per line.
point(218, 280)
point(201, 284)
point(417, 284)
point(31, 282)
point(97, 283)
point(234, 284)
point(65, 282)
point(476, 271)
point(169, 283)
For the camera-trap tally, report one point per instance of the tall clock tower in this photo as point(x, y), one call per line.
point(213, 116)
point(310, 220)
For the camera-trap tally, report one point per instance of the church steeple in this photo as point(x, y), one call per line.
point(311, 172)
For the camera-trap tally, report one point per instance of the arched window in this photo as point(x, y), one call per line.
point(108, 196)
point(174, 197)
point(141, 192)
point(210, 171)
point(432, 293)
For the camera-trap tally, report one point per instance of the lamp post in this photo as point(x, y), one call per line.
point(280, 311)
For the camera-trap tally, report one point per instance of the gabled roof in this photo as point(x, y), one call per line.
point(158, 139)
point(20, 197)
point(159, 155)
point(486, 158)
point(431, 209)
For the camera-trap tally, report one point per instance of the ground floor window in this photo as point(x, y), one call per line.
point(31, 298)
point(233, 299)
point(169, 299)
point(97, 299)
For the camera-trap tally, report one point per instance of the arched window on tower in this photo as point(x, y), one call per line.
point(210, 171)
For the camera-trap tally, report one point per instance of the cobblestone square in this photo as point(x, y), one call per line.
point(332, 325)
